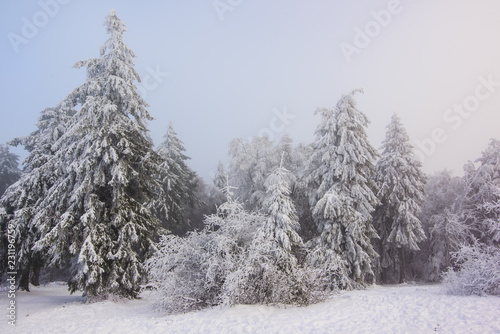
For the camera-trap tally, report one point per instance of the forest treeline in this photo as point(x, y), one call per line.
point(281, 223)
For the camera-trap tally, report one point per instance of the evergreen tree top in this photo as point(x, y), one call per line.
point(397, 140)
point(172, 146)
point(113, 24)
point(342, 150)
point(398, 171)
point(220, 177)
point(347, 111)
point(110, 78)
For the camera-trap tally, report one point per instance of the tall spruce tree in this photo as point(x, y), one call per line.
point(179, 183)
point(481, 206)
point(271, 270)
point(282, 225)
point(444, 229)
point(220, 177)
point(343, 196)
point(98, 211)
point(20, 201)
point(401, 185)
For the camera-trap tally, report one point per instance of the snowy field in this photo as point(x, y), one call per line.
point(388, 309)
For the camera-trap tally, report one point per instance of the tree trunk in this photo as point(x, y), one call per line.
point(35, 278)
point(383, 276)
point(402, 265)
point(24, 282)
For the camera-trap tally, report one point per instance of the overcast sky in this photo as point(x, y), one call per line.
point(238, 68)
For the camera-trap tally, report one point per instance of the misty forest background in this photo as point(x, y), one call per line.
point(96, 204)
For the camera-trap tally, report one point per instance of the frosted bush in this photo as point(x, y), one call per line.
point(478, 271)
point(191, 270)
point(232, 261)
point(273, 276)
point(333, 268)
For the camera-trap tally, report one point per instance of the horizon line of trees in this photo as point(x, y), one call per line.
point(283, 224)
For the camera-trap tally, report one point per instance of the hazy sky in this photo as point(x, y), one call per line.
point(238, 68)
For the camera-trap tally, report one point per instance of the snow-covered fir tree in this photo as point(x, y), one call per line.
point(179, 183)
point(282, 225)
point(343, 192)
point(401, 185)
point(220, 177)
point(476, 264)
point(271, 271)
point(98, 211)
point(481, 207)
point(260, 279)
point(9, 168)
point(441, 222)
point(21, 200)
point(214, 194)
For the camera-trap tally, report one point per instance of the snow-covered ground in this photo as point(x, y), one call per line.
point(387, 309)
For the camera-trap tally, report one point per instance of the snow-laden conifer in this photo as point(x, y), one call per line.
point(178, 182)
point(444, 228)
point(477, 264)
point(481, 207)
point(220, 177)
point(98, 210)
point(401, 185)
point(343, 196)
point(281, 225)
point(270, 271)
point(22, 199)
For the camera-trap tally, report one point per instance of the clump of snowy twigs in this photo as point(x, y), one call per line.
point(230, 262)
point(190, 270)
point(478, 271)
point(271, 276)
